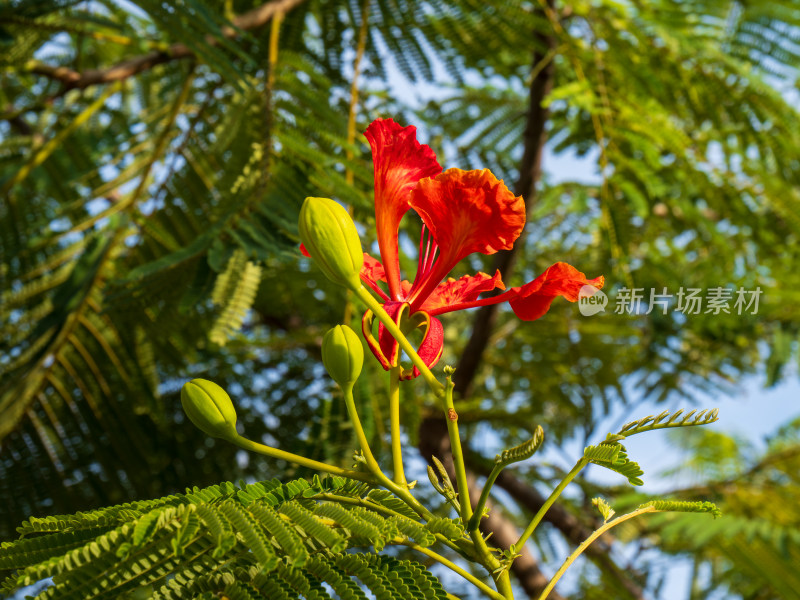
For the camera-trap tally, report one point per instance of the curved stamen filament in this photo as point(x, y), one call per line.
point(422, 258)
point(427, 258)
point(374, 287)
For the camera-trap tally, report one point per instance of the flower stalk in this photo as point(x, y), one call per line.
point(537, 518)
point(369, 458)
point(587, 542)
point(394, 421)
point(477, 515)
point(309, 463)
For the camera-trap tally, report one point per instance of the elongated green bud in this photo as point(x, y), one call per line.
point(343, 355)
point(209, 407)
point(331, 238)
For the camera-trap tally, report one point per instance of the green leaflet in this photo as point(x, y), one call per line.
point(452, 529)
point(324, 570)
point(254, 537)
point(234, 292)
point(522, 451)
point(353, 522)
point(613, 456)
point(313, 526)
point(286, 537)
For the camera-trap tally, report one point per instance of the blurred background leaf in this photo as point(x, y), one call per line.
point(153, 158)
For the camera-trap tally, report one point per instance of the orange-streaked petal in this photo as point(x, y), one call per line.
point(466, 211)
point(400, 161)
point(371, 273)
point(449, 295)
point(533, 299)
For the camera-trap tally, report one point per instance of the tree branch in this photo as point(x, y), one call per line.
point(71, 79)
point(530, 168)
point(433, 435)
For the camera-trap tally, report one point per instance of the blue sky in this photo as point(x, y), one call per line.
point(753, 413)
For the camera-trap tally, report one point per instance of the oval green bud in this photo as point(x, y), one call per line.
point(343, 355)
point(331, 238)
point(209, 407)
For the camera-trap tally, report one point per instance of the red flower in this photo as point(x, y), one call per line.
point(462, 212)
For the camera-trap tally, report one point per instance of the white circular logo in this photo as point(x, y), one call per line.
point(591, 301)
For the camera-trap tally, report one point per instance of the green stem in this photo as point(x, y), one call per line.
point(394, 421)
point(456, 569)
point(377, 309)
point(377, 479)
point(301, 460)
point(488, 560)
point(484, 555)
point(407, 497)
point(400, 490)
point(548, 503)
point(579, 550)
point(372, 464)
point(475, 521)
point(451, 417)
point(503, 583)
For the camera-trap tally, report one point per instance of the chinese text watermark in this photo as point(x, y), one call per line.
point(689, 301)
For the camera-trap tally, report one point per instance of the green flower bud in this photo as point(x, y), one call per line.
point(209, 407)
point(330, 237)
point(343, 355)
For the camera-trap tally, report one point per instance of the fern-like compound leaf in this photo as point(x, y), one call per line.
point(355, 523)
point(344, 586)
point(234, 291)
point(613, 456)
point(267, 540)
point(521, 452)
point(452, 529)
point(414, 530)
point(287, 538)
point(254, 537)
point(391, 502)
point(664, 420)
point(314, 526)
point(683, 506)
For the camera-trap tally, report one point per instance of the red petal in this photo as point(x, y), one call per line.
point(467, 211)
point(453, 292)
point(387, 350)
point(303, 251)
point(366, 328)
point(533, 299)
point(388, 344)
point(430, 350)
point(371, 273)
point(400, 161)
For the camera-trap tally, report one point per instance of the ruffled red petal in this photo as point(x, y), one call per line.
point(466, 211)
point(400, 161)
point(533, 299)
point(453, 292)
